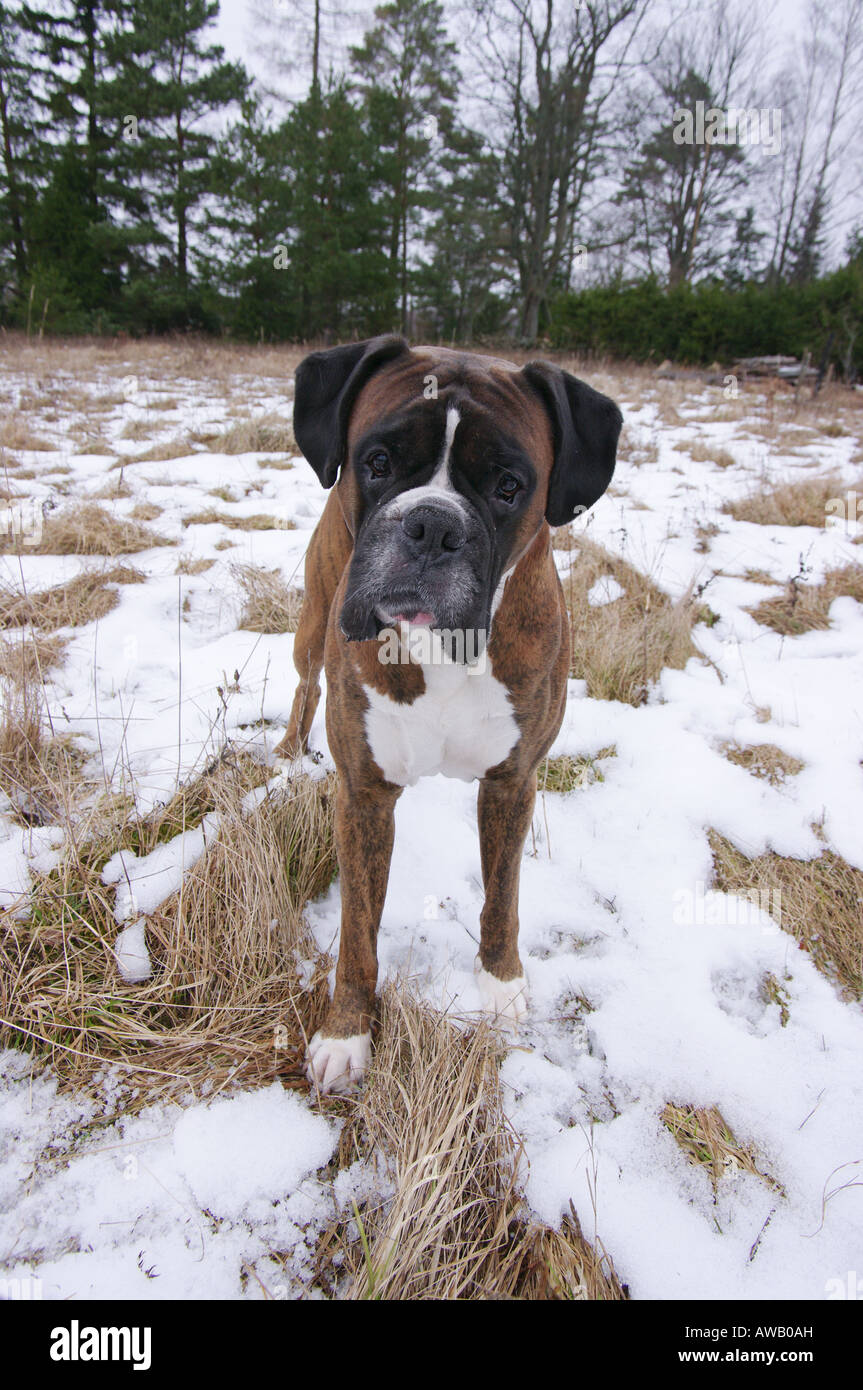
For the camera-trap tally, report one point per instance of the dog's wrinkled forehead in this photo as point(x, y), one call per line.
point(453, 442)
point(458, 424)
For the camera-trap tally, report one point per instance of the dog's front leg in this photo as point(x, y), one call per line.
point(339, 1053)
point(504, 811)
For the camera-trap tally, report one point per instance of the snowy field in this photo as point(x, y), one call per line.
point(618, 911)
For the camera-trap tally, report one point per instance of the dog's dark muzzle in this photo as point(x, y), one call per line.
point(429, 563)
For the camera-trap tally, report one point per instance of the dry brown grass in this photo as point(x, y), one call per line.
point(225, 1004)
point(27, 656)
point(163, 361)
point(764, 760)
point(271, 605)
point(87, 529)
point(145, 511)
point(257, 521)
point(620, 648)
point(113, 491)
point(568, 774)
point(39, 769)
point(283, 464)
point(136, 430)
point(177, 448)
point(265, 434)
point(91, 441)
point(83, 600)
point(805, 607)
point(801, 503)
point(16, 433)
point(455, 1227)
point(821, 904)
point(702, 452)
point(709, 1142)
point(191, 564)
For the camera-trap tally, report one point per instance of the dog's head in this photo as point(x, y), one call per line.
point(447, 465)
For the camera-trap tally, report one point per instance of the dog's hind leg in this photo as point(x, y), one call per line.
point(329, 551)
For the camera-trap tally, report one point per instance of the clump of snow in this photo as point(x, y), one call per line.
point(239, 1155)
point(130, 949)
point(605, 590)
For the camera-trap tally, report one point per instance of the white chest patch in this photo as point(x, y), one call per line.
point(462, 725)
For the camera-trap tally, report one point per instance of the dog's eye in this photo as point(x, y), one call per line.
point(507, 488)
point(378, 464)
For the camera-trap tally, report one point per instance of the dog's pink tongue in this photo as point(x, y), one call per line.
point(420, 619)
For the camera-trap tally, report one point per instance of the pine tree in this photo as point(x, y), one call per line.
point(246, 228)
point(171, 80)
point(407, 72)
point(73, 146)
point(16, 164)
point(466, 237)
point(340, 275)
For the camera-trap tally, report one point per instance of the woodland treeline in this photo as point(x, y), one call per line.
point(463, 172)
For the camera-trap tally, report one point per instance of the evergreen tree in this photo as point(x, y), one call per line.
point(16, 162)
point(247, 225)
point(340, 275)
point(807, 248)
point(74, 147)
point(407, 72)
point(466, 238)
point(172, 80)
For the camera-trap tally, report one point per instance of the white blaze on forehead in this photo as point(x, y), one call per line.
point(439, 485)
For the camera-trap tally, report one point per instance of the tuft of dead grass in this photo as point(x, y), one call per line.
point(82, 600)
point(257, 521)
point(264, 434)
point(620, 648)
point(805, 607)
point(87, 529)
point(708, 1141)
point(270, 604)
point(801, 503)
point(27, 655)
point(15, 433)
point(455, 1226)
point(568, 774)
point(39, 769)
point(194, 564)
point(145, 511)
point(764, 760)
point(701, 452)
point(226, 1002)
point(178, 448)
point(819, 901)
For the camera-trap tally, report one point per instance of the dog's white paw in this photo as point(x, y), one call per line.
point(337, 1064)
point(506, 1000)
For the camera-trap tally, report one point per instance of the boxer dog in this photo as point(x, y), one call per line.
point(433, 603)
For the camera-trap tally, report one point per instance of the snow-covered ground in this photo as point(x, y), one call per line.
point(616, 905)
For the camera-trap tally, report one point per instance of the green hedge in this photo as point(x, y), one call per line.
point(710, 322)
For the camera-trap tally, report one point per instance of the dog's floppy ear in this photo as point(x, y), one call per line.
point(326, 386)
point(586, 426)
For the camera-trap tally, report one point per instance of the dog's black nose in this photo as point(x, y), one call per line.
point(434, 529)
